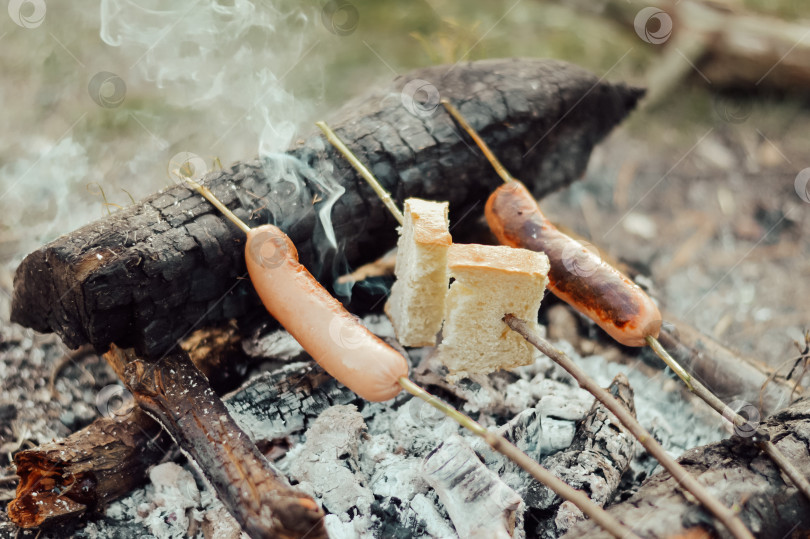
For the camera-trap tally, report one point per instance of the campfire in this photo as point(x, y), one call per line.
point(226, 425)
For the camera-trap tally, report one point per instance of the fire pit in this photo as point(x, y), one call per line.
point(293, 447)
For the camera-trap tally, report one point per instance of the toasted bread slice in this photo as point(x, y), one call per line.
point(417, 301)
point(490, 281)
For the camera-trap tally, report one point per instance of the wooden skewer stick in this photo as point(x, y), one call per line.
point(495, 441)
point(694, 385)
point(727, 516)
point(384, 195)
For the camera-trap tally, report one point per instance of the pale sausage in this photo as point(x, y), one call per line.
point(331, 335)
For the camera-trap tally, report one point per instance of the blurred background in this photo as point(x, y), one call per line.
point(704, 189)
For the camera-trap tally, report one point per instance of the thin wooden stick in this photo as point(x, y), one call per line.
point(496, 164)
point(760, 437)
point(209, 196)
point(692, 384)
point(497, 442)
point(728, 517)
point(506, 448)
point(384, 195)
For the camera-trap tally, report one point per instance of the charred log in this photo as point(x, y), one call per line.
point(109, 458)
point(146, 275)
point(178, 396)
point(87, 470)
point(600, 453)
point(739, 474)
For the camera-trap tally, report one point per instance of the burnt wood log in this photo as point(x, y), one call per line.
point(594, 462)
point(739, 474)
point(146, 275)
point(87, 470)
point(478, 502)
point(109, 458)
point(178, 396)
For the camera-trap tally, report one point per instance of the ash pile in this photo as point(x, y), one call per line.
point(402, 469)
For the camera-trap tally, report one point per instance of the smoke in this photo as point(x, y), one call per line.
point(238, 63)
point(42, 188)
point(232, 61)
point(95, 120)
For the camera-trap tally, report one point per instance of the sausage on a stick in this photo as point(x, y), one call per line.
point(353, 355)
point(595, 288)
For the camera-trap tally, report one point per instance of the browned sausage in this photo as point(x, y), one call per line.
point(577, 276)
point(328, 332)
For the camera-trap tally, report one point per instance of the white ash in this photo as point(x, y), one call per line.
point(172, 506)
point(175, 492)
point(327, 466)
point(365, 466)
point(277, 344)
point(477, 501)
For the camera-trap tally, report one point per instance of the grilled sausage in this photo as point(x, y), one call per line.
point(577, 276)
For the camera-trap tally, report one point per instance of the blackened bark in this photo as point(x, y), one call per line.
point(146, 275)
point(599, 454)
point(87, 470)
point(109, 458)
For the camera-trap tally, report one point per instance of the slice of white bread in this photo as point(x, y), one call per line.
point(490, 281)
point(416, 303)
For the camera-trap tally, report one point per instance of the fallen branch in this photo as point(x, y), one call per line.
point(178, 396)
point(729, 519)
point(115, 452)
point(728, 45)
point(728, 374)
